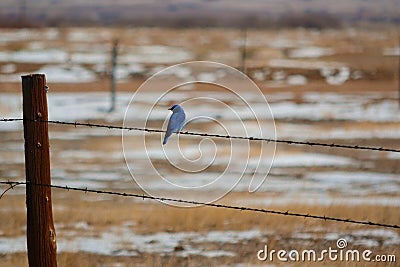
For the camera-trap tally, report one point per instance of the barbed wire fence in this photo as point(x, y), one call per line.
point(12, 185)
point(249, 138)
point(165, 199)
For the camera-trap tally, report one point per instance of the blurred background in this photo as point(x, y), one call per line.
point(329, 71)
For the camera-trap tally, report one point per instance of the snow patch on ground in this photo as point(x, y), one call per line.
point(34, 56)
point(67, 74)
point(310, 52)
point(122, 241)
point(391, 51)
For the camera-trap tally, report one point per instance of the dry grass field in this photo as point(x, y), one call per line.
point(331, 86)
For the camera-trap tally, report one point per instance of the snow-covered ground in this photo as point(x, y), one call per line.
point(89, 50)
point(93, 157)
point(123, 241)
point(85, 166)
point(315, 107)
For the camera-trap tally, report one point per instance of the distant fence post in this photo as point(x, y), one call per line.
point(113, 73)
point(243, 54)
point(40, 232)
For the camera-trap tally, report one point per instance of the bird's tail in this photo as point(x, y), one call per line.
point(165, 139)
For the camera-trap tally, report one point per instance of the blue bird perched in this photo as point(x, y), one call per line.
point(176, 122)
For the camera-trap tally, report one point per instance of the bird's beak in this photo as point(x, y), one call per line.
point(170, 109)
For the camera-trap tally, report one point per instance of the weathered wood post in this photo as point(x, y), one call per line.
point(40, 232)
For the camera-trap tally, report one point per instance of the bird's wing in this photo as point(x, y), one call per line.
point(175, 124)
point(180, 118)
point(172, 127)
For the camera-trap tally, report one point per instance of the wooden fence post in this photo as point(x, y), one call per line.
point(40, 232)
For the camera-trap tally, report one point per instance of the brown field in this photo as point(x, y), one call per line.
point(89, 215)
point(70, 208)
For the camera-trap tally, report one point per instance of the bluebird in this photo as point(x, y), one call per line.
point(176, 122)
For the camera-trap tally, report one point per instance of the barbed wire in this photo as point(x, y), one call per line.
point(249, 138)
point(215, 205)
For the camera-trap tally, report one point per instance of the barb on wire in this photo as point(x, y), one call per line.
point(10, 119)
point(249, 138)
point(11, 186)
point(215, 205)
